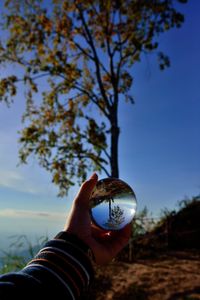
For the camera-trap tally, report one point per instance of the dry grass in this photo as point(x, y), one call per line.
point(170, 277)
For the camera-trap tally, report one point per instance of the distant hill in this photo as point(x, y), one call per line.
point(176, 231)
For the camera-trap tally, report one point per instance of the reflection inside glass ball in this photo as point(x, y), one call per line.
point(112, 204)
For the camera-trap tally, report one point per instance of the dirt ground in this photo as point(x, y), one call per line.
point(172, 276)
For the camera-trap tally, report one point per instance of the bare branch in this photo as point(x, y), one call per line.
point(96, 61)
point(112, 71)
point(84, 51)
point(107, 154)
point(35, 77)
point(92, 97)
point(103, 168)
point(90, 157)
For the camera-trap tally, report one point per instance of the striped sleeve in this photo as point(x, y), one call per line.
point(62, 268)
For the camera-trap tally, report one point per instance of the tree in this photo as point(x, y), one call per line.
point(76, 58)
point(116, 217)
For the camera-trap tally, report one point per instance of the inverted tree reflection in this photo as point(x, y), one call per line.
point(116, 217)
point(112, 204)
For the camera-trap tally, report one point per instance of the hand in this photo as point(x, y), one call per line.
point(105, 245)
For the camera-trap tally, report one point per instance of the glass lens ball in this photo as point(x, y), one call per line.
point(112, 204)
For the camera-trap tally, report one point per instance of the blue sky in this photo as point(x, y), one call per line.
point(159, 141)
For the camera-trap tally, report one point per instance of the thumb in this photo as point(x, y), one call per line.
point(85, 191)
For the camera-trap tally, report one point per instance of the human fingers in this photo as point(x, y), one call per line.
point(107, 244)
point(114, 241)
point(98, 233)
point(118, 240)
point(83, 196)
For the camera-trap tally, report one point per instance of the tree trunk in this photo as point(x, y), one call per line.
point(110, 209)
point(114, 145)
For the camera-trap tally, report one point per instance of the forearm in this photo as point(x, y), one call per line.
point(62, 268)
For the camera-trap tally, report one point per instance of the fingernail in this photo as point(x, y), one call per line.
point(93, 176)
